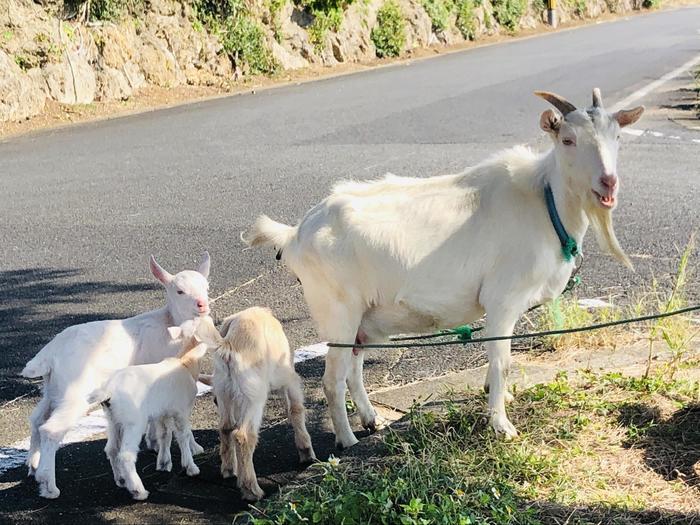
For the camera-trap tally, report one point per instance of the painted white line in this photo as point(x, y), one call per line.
point(594, 303)
point(656, 84)
point(696, 140)
point(95, 422)
point(633, 131)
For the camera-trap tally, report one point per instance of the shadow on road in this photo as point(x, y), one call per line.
point(37, 304)
point(89, 495)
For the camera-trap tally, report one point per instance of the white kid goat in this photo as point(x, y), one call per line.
point(82, 358)
point(402, 255)
point(161, 394)
point(253, 357)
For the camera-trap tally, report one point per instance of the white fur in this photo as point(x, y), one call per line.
point(253, 358)
point(402, 255)
point(81, 359)
point(161, 394)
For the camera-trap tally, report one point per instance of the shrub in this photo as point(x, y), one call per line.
point(509, 12)
point(389, 35)
point(244, 40)
point(651, 4)
point(439, 13)
point(324, 21)
point(466, 22)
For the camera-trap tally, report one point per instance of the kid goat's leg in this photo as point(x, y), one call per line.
point(297, 417)
point(227, 450)
point(39, 416)
point(183, 431)
point(51, 433)
point(126, 459)
point(164, 435)
point(249, 414)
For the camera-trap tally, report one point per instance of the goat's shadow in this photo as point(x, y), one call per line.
point(89, 494)
point(40, 302)
point(671, 446)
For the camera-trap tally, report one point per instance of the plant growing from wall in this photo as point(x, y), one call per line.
point(439, 12)
point(651, 4)
point(389, 35)
point(509, 12)
point(466, 20)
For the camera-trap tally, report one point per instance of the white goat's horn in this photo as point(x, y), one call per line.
point(563, 105)
point(597, 98)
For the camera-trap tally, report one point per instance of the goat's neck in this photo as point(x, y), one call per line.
point(190, 359)
point(174, 315)
point(569, 204)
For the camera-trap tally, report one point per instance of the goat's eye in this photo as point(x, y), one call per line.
point(568, 142)
point(180, 292)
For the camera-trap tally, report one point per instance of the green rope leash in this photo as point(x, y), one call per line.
point(521, 336)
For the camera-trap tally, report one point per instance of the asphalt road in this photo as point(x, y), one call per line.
point(82, 208)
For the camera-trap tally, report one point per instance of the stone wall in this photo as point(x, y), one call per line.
point(44, 56)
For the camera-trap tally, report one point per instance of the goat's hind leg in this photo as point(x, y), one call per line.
point(126, 460)
point(227, 449)
point(164, 433)
point(297, 417)
point(356, 386)
point(62, 419)
point(183, 431)
point(249, 414)
point(39, 416)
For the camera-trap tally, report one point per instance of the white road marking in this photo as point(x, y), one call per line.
point(95, 422)
point(633, 131)
point(652, 86)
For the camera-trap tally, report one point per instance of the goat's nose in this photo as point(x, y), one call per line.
point(201, 304)
point(609, 181)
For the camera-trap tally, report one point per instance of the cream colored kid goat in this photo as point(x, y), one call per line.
point(253, 357)
point(402, 255)
point(161, 394)
point(82, 358)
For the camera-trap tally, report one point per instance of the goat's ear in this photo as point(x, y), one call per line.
point(625, 117)
point(550, 121)
point(203, 267)
point(175, 332)
point(159, 273)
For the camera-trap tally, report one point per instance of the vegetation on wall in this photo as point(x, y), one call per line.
point(241, 35)
point(389, 35)
point(466, 19)
point(509, 12)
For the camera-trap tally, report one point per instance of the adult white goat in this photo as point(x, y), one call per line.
point(404, 255)
point(82, 358)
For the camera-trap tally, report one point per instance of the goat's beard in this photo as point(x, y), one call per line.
point(602, 224)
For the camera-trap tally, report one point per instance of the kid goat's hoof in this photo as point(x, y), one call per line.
point(504, 427)
point(49, 493)
point(252, 494)
point(192, 471)
point(165, 466)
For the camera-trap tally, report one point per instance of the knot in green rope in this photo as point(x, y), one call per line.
point(573, 283)
point(570, 249)
point(463, 332)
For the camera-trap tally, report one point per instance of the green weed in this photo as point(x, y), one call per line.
point(509, 12)
point(389, 35)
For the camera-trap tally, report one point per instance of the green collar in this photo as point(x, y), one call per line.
point(569, 247)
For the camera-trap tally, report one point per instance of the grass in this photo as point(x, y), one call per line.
point(593, 448)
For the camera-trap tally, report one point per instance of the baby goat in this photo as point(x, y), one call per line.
point(161, 394)
point(253, 357)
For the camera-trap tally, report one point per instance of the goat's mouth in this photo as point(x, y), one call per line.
point(607, 201)
point(203, 313)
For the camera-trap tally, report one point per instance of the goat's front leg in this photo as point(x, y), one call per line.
point(499, 323)
point(338, 362)
point(183, 431)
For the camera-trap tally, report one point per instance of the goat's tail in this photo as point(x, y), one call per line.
point(99, 395)
point(38, 366)
point(266, 232)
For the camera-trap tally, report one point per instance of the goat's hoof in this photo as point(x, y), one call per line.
point(227, 473)
point(49, 492)
point(342, 444)
point(252, 493)
point(139, 495)
point(503, 427)
point(165, 466)
point(509, 397)
point(31, 471)
point(307, 456)
point(192, 470)
point(196, 449)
